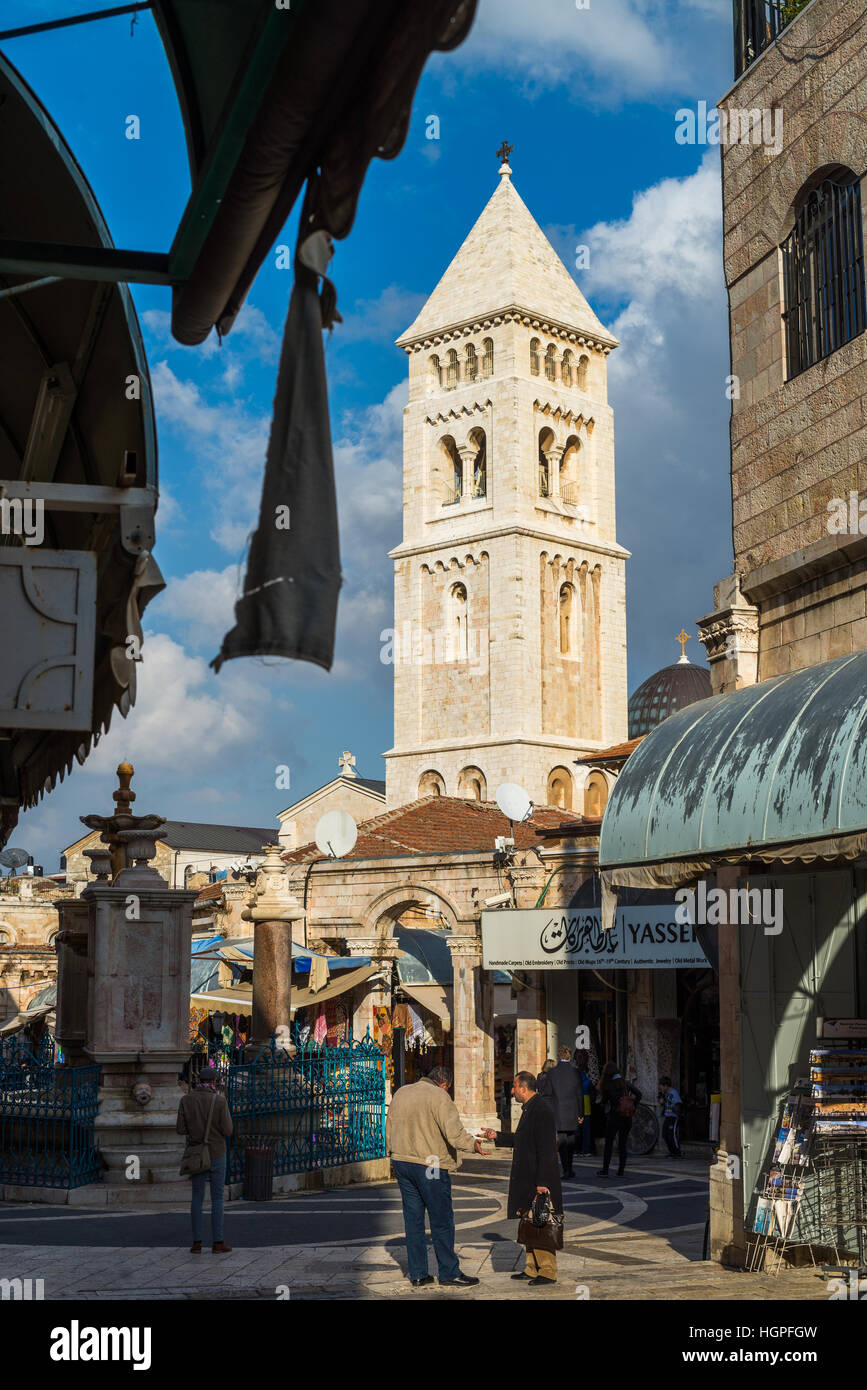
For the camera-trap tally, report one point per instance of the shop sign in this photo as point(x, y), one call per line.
point(642, 938)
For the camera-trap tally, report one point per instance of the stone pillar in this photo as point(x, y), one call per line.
point(473, 1034)
point(468, 458)
point(727, 1237)
point(532, 1027)
point(731, 638)
point(272, 910)
point(553, 458)
point(73, 980)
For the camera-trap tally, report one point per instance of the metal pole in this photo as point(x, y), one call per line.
point(43, 28)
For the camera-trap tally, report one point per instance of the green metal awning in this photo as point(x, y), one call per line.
point(776, 771)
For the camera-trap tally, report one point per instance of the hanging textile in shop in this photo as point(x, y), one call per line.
point(320, 1027)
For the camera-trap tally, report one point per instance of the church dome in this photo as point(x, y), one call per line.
point(670, 689)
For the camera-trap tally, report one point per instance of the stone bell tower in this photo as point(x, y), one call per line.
point(509, 644)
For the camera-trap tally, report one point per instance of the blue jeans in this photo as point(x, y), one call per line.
point(216, 1177)
point(434, 1194)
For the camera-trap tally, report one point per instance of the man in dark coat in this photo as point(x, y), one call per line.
point(564, 1092)
point(534, 1168)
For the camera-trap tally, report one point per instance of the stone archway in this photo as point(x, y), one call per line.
point(472, 1008)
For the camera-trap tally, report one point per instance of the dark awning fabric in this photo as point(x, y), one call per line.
point(337, 81)
point(775, 772)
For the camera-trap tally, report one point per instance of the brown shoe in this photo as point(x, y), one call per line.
point(196, 1247)
point(221, 1248)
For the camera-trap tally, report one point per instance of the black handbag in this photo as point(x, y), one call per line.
point(541, 1228)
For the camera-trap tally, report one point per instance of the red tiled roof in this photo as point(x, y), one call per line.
point(617, 750)
point(212, 890)
point(440, 825)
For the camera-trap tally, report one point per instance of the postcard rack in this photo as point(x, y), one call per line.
point(838, 1073)
point(781, 1196)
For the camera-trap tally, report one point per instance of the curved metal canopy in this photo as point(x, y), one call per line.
point(77, 435)
point(776, 763)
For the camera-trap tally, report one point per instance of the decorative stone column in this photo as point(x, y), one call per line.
point(731, 638)
point(272, 910)
point(553, 458)
point(138, 1007)
point(473, 1034)
point(383, 951)
point(468, 457)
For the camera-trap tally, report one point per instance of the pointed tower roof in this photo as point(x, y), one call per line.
point(506, 262)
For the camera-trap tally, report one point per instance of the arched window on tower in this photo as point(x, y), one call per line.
point(451, 471)
point(581, 375)
point(471, 784)
point(431, 784)
point(471, 366)
point(551, 362)
point(560, 788)
point(458, 642)
point(452, 369)
point(823, 272)
point(535, 366)
point(546, 440)
point(435, 372)
point(567, 643)
point(488, 357)
point(480, 463)
point(595, 795)
point(569, 466)
point(566, 368)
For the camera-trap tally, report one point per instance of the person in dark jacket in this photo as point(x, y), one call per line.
point(193, 1114)
point(584, 1132)
point(534, 1169)
point(618, 1098)
point(564, 1093)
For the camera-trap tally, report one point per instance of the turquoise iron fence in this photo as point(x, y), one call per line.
point(319, 1108)
point(46, 1119)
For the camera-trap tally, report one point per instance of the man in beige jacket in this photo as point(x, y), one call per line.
point(423, 1134)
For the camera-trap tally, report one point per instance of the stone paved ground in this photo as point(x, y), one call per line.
point(636, 1240)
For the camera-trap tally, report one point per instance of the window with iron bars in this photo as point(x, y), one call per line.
point(823, 275)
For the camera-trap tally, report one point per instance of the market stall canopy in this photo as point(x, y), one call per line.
point(775, 772)
point(32, 1015)
point(238, 998)
point(341, 984)
point(437, 999)
point(78, 449)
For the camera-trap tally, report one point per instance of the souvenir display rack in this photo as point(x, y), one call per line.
point(782, 1196)
point(839, 1078)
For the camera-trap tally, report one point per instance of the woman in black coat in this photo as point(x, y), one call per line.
point(535, 1168)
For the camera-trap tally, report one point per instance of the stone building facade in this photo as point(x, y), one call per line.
point(29, 922)
point(509, 639)
point(798, 431)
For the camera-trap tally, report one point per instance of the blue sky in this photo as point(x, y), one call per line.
point(588, 99)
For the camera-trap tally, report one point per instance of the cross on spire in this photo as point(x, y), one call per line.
point(683, 637)
point(504, 151)
point(347, 763)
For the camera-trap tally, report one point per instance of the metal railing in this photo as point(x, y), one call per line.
point(322, 1107)
point(452, 496)
point(570, 493)
point(544, 485)
point(757, 23)
point(47, 1118)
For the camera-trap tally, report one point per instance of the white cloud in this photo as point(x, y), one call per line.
point(382, 319)
point(609, 51)
point(181, 719)
point(229, 441)
point(202, 602)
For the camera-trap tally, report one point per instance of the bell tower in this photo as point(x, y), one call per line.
point(509, 640)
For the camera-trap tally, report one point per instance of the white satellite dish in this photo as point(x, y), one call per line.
point(513, 801)
point(336, 833)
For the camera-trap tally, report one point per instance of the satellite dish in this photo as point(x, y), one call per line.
point(513, 801)
point(14, 858)
point(336, 833)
